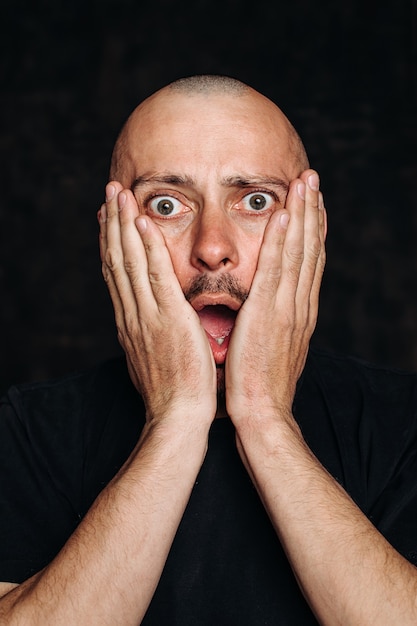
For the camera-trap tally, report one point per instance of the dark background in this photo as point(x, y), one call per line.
point(345, 74)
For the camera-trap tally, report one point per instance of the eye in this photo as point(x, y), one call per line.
point(258, 201)
point(165, 205)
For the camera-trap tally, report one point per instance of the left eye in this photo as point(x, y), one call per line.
point(258, 201)
point(165, 205)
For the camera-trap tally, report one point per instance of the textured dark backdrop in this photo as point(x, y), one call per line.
point(345, 73)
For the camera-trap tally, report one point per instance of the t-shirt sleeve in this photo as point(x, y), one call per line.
point(61, 442)
point(361, 422)
point(39, 505)
point(389, 453)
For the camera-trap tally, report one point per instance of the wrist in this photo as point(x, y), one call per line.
point(176, 432)
point(273, 431)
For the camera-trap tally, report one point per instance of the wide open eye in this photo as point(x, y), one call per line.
point(165, 206)
point(258, 201)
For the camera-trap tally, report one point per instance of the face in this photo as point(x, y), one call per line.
point(210, 170)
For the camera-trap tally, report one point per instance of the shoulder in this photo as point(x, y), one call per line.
point(359, 416)
point(348, 373)
point(361, 394)
point(76, 430)
point(61, 441)
point(95, 386)
point(86, 408)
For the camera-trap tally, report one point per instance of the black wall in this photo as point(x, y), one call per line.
point(345, 74)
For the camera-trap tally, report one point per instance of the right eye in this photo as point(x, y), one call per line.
point(164, 206)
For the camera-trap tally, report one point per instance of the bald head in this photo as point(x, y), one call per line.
point(201, 100)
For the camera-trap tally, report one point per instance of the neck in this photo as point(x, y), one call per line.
point(221, 406)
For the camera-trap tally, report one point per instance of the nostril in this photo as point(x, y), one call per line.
point(213, 265)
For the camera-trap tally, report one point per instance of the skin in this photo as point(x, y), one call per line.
point(214, 143)
point(112, 563)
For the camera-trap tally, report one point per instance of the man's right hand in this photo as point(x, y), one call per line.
point(113, 561)
point(168, 354)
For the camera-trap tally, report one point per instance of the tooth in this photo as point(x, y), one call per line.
point(219, 340)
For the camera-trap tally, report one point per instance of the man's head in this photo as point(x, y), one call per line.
point(209, 159)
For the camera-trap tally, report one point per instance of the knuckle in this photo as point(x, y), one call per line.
point(315, 248)
point(295, 260)
point(320, 262)
point(160, 286)
point(131, 265)
point(295, 257)
point(157, 280)
point(105, 272)
point(121, 336)
point(130, 324)
point(112, 259)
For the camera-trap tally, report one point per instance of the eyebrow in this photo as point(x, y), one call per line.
point(166, 179)
point(228, 181)
point(254, 181)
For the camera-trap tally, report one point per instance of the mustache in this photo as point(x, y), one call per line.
point(219, 284)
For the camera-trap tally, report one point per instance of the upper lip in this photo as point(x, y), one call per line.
point(213, 299)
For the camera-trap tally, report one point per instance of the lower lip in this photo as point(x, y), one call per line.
point(219, 352)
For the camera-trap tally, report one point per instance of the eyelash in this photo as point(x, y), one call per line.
point(151, 196)
point(148, 199)
point(268, 192)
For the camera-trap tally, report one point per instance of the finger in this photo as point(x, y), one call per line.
point(161, 275)
point(102, 238)
point(293, 248)
point(135, 260)
point(103, 243)
point(114, 271)
point(114, 294)
point(312, 245)
point(111, 241)
point(321, 261)
point(268, 272)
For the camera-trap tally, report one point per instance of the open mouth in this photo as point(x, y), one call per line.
point(218, 321)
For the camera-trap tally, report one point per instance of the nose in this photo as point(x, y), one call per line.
point(214, 241)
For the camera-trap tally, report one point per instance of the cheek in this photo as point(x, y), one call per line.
point(179, 251)
point(250, 235)
point(249, 258)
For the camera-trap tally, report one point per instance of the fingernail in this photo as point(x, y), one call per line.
point(301, 190)
point(313, 182)
point(284, 219)
point(122, 200)
point(110, 191)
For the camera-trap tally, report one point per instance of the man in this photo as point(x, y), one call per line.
point(203, 492)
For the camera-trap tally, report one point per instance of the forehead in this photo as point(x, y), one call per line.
point(204, 136)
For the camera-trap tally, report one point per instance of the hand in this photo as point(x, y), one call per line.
point(168, 354)
point(270, 339)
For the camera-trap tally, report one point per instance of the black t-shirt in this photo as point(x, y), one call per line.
point(62, 441)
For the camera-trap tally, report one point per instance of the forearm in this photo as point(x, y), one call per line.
point(109, 569)
point(348, 572)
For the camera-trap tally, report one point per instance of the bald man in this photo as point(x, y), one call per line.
point(217, 475)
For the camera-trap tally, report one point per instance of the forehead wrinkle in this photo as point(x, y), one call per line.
point(251, 181)
point(162, 179)
point(236, 180)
